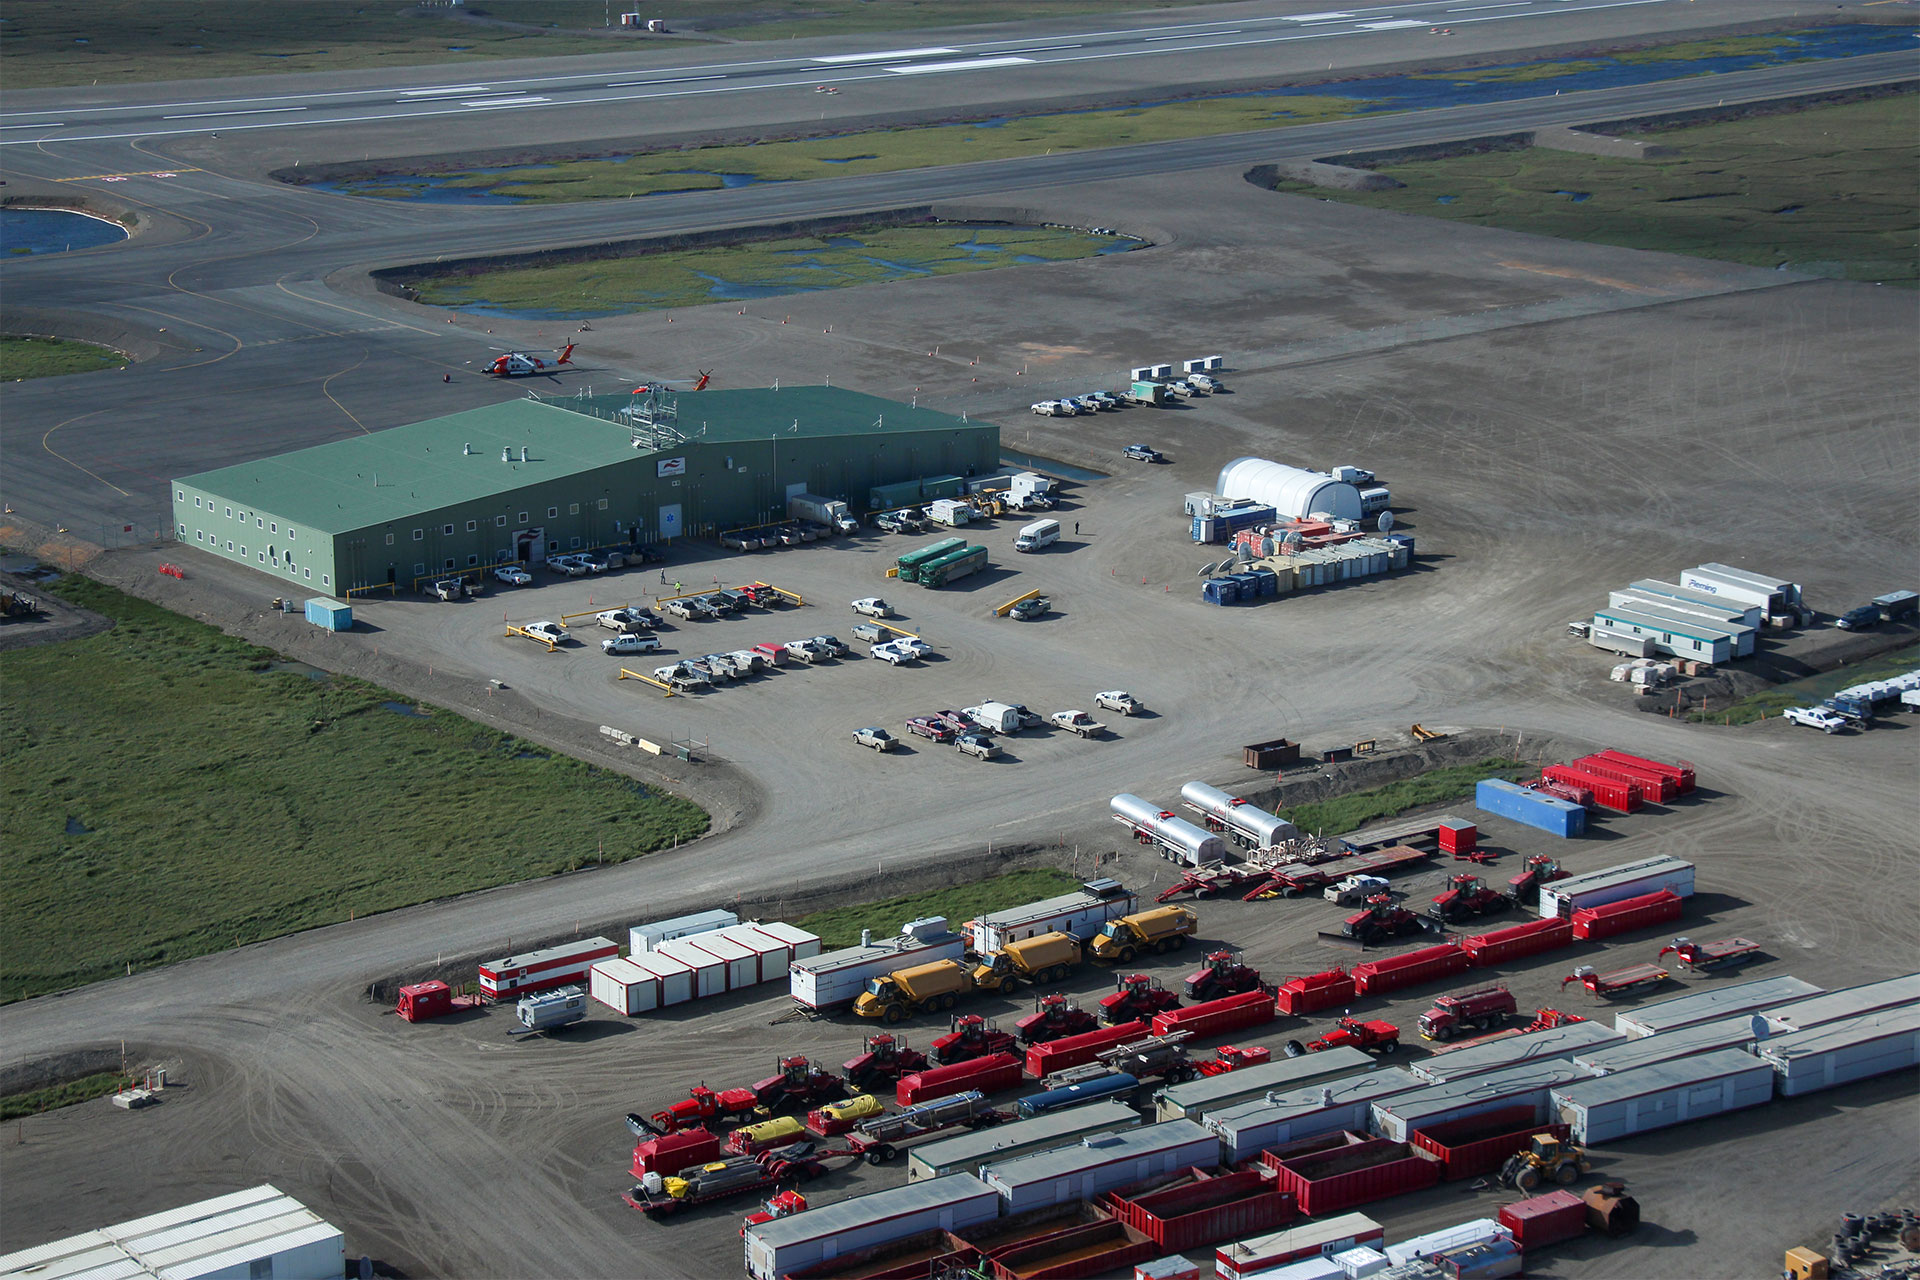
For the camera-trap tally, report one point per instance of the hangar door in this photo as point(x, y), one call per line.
point(670, 521)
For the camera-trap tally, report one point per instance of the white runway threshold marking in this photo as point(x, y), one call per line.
point(970, 64)
point(882, 57)
point(1390, 26)
point(1316, 17)
point(524, 100)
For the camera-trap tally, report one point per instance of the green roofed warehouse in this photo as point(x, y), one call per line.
point(530, 478)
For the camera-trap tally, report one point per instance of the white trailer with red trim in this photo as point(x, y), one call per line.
point(543, 969)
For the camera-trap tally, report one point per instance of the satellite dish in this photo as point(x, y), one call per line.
point(1292, 539)
point(1243, 553)
point(1385, 522)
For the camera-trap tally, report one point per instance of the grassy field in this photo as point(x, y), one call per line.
point(841, 926)
point(55, 1096)
point(1347, 813)
point(167, 793)
point(22, 358)
point(684, 278)
point(1828, 191)
point(1804, 693)
point(48, 43)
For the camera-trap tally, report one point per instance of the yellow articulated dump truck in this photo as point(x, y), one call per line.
point(1047, 957)
point(1163, 929)
point(936, 987)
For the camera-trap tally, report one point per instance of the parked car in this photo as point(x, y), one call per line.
point(1104, 399)
point(890, 522)
point(830, 645)
point(893, 653)
point(870, 633)
point(682, 675)
point(1141, 453)
point(682, 609)
point(1054, 409)
point(601, 561)
point(873, 607)
point(551, 632)
point(1206, 382)
point(874, 736)
point(1028, 610)
point(716, 603)
point(928, 727)
point(747, 663)
point(1118, 700)
point(620, 620)
point(1819, 718)
point(977, 745)
point(1079, 722)
point(647, 553)
point(630, 643)
point(732, 601)
point(917, 647)
point(513, 575)
point(1186, 387)
point(567, 566)
point(1865, 618)
point(762, 595)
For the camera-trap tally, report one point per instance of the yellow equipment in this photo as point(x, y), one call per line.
point(1805, 1264)
point(1163, 929)
point(1546, 1159)
point(1047, 957)
point(899, 995)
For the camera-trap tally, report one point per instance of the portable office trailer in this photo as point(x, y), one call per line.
point(1712, 1005)
point(1751, 614)
point(644, 937)
point(1721, 580)
point(1528, 1082)
point(260, 1231)
point(1662, 1093)
point(1256, 1256)
point(1261, 1124)
point(804, 1239)
point(1833, 1053)
point(623, 986)
point(541, 970)
point(1611, 884)
point(1534, 1046)
point(770, 957)
point(1682, 639)
point(676, 977)
point(1080, 913)
point(970, 1152)
point(800, 944)
point(1208, 1094)
point(834, 978)
point(710, 975)
point(1251, 824)
point(1100, 1164)
point(1848, 1002)
point(1741, 1031)
point(1730, 622)
point(742, 963)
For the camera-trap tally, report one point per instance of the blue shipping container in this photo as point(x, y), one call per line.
point(1220, 591)
point(1117, 1085)
point(1549, 813)
point(331, 614)
point(1268, 583)
point(1204, 530)
point(1245, 517)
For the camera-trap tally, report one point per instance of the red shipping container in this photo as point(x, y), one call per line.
point(1074, 1051)
point(916, 1257)
point(1409, 969)
point(990, 1074)
point(1458, 837)
point(1217, 1017)
point(671, 1152)
point(1544, 1220)
point(1611, 793)
point(1091, 1249)
point(1350, 1170)
point(1316, 991)
point(1626, 915)
point(1582, 796)
point(425, 1000)
point(1201, 1209)
point(1497, 946)
point(1480, 1144)
point(1654, 785)
point(1681, 771)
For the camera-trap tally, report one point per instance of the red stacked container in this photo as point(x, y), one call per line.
point(1613, 793)
point(1681, 772)
point(1458, 837)
point(1202, 1209)
point(1545, 1220)
point(1216, 1017)
point(1626, 915)
point(1654, 785)
point(1316, 991)
point(1409, 969)
point(1497, 946)
point(990, 1074)
point(1075, 1051)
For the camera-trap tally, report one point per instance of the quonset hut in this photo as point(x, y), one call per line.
point(1292, 492)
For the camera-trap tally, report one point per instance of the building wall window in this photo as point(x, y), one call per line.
point(179, 495)
point(419, 534)
point(449, 563)
point(576, 542)
point(229, 544)
point(273, 528)
point(261, 556)
point(389, 539)
point(243, 549)
point(603, 504)
point(258, 523)
point(472, 560)
point(472, 525)
point(447, 531)
point(306, 573)
point(573, 508)
point(500, 522)
point(523, 518)
point(229, 513)
point(419, 569)
point(199, 535)
point(196, 504)
point(289, 533)
point(324, 582)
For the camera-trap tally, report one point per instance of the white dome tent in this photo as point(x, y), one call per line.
point(1290, 491)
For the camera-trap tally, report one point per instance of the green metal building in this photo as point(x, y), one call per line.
point(530, 478)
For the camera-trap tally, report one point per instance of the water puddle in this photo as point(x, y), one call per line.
point(75, 827)
point(314, 674)
point(33, 231)
point(1576, 197)
point(403, 709)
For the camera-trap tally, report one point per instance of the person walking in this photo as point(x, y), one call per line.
point(1076, 528)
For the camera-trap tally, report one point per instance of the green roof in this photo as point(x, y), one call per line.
point(395, 475)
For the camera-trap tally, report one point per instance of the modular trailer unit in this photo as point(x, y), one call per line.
point(1534, 1046)
point(1527, 1082)
point(1245, 1259)
point(258, 1232)
point(1750, 614)
point(1247, 823)
point(1611, 884)
point(804, 1239)
point(1848, 1002)
point(543, 969)
point(1741, 1031)
point(1198, 1098)
point(645, 937)
point(1723, 581)
point(1871, 1044)
point(1311, 1111)
point(1100, 1164)
point(710, 976)
point(1550, 814)
point(741, 963)
point(1604, 1110)
point(1730, 623)
point(834, 978)
point(1712, 1005)
point(623, 986)
point(769, 958)
point(1674, 634)
point(970, 1152)
point(1080, 913)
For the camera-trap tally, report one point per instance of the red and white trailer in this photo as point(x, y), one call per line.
point(544, 969)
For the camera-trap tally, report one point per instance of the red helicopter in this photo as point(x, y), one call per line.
point(655, 388)
point(516, 364)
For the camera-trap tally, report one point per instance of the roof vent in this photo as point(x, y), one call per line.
point(466, 450)
point(506, 453)
point(523, 453)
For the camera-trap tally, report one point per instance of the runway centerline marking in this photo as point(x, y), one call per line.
point(971, 64)
point(882, 57)
point(648, 84)
point(256, 111)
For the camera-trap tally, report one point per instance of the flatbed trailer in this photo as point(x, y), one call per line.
point(879, 1139)
point(1418, 832)
point(1618, 982)
point(1216, 880)
point(1292, 881)
point(1702, 957)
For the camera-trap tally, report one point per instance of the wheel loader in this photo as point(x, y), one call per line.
point(1546, 1159)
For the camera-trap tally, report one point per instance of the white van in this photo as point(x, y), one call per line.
point(1041, 533)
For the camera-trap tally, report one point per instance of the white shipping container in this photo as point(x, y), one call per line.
point(1712, 1005)
point(1202, 1097)
point(1258, 1255)
point(1080, 913)
point(1835, 1053)
point(800, 944)
point(709, 970)
point(952, 1203)
point(623, 987)
point(1099, 1164)
point(742, 963)
point(834, 978)
point(1850, 1002)
point(1536, 1046)
point(770, 958)
point(1479, 1231)
point(1613, 884)
point(676, 977)
point(1260, 1124)
point(1525, 1084)
point(1661, 1094)
point(644, 937)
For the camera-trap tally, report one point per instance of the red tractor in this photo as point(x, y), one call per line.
point(1053, 1016)
point(1373, 1036)
point(1540, 868)
point(1381, 918)
point(1136, 998)
point(972, 1037)
point(798, 1086)
point(1467, 895)
point(883, 1060)
point(699, 1106)
point(1220, 975)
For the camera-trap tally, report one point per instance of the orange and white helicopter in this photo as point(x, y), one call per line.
point(518, 364)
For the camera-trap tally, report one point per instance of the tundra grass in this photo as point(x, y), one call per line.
point(166, 793)
point(687, 277)
point(841, 926)
point(1347, 813)
point(1827, 191)
point(55, 1096)
point(1805, 693)
point(22, 358)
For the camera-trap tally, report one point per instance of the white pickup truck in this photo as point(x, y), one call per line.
point(1354, 890)
point(1078, 722)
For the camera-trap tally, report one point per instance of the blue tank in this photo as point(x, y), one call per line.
point(1073, 1095)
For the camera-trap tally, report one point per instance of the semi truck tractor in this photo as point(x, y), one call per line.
point(827, 511)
